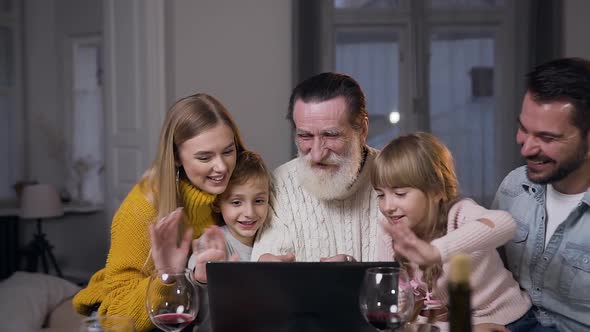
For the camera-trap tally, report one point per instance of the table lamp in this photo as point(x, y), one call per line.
point(40, 201)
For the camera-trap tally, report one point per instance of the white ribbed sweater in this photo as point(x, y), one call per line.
point(311, 228)
point(495, 296)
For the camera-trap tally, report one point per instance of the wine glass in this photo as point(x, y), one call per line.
point(386, 298)
point(171, 300)
point(107, 324)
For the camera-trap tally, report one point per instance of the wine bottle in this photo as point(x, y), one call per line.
point(460, 294)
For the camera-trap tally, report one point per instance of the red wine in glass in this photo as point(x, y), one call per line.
point(171, 299)
point(386, 297)
point(172, 322)
point(384, 321)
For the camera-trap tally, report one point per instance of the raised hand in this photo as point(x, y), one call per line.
point(210, 247)
point(407, 244)
point(290, 257)
point(166, 252)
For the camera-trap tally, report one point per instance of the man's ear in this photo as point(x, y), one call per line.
point(365, 129)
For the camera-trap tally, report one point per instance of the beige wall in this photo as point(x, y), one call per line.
point(575, 28)
point(239, 52)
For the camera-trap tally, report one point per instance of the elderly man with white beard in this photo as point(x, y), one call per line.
point(323, 205)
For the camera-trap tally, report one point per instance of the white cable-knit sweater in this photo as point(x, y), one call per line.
point(311, 228)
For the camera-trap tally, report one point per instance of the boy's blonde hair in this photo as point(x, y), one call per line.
point(421, 161)
point(249, 166)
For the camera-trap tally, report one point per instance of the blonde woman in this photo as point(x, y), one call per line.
point(196, 156)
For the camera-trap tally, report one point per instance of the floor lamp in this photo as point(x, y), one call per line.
point(40, 201)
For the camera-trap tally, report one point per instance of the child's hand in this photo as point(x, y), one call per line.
point(210, 247)
point(165, 251)
point(407, 244)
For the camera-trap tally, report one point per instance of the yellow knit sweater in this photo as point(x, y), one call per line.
point(120, 288)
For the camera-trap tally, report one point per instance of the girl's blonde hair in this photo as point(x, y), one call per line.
point(249, 166)
point(187, 118)
point(421, 161)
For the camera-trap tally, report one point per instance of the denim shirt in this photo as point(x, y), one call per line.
point(557, 277)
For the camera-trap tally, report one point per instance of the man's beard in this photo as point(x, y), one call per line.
point(329, 184)
point(566, 168)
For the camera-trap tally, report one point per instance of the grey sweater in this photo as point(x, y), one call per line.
point(232, 246)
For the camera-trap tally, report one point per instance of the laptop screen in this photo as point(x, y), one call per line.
point(301, 296)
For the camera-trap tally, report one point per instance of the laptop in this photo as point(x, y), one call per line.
point(287, 297)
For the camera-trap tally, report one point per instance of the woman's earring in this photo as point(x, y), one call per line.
point(177, 176)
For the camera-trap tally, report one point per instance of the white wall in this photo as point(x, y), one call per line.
point(43, 110)
point(48, 25)
point(575, 28)
point(80, 241)
point(239, 52)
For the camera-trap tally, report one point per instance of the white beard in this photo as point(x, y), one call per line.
point(329, 184)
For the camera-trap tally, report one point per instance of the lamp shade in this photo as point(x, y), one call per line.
point(40, 201)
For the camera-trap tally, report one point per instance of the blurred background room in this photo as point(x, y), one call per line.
point(85, 84)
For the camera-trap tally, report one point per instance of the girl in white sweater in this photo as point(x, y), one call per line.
point(426, 222)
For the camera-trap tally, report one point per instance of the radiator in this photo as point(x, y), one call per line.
point(9, 253)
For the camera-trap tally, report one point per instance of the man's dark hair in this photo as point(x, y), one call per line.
point(566, 79)
point(326, 86)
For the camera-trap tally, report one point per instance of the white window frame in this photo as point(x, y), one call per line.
point(418, 22)
point(72, 46)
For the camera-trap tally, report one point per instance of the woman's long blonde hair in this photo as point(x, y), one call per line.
point(421, 161)
point(187, 118)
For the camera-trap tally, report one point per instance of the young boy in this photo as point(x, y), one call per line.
point(242, 208)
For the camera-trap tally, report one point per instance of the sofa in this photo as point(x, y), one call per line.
point(33, 302)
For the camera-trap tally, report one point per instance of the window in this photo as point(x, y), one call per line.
point(11, 169)
point(462, 113)
point(87, 143)
point(430, 65)
point(372, 57)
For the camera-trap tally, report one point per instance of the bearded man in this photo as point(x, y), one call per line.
point(549, 198)
point(323, 207)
